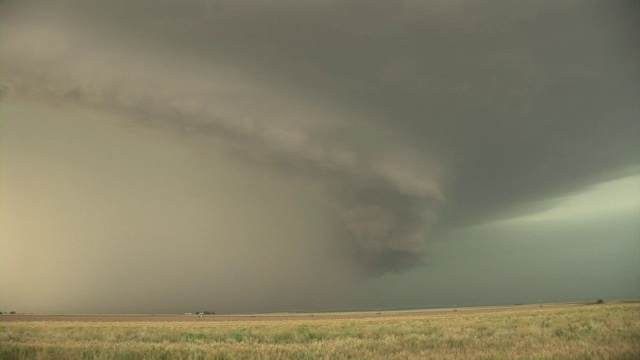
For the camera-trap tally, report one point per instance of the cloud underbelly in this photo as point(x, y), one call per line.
point(384, 193)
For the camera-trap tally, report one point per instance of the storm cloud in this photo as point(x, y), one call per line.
point(407, 116)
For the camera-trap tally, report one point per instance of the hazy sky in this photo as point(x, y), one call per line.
point(239, 156)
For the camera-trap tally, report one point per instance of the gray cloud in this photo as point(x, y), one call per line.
point(384, 205)
point(405, 113)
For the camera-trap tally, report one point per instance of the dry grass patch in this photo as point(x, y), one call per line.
point(609, 331)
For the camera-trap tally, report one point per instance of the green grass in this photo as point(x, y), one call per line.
point(609, 331)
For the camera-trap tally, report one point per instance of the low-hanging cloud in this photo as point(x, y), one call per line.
point(385, 202)
point(403, 113)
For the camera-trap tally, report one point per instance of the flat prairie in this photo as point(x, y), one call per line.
point(549, 331)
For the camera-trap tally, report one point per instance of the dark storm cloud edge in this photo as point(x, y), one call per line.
point(543, 108)
point(384, 206)
point(524, 101)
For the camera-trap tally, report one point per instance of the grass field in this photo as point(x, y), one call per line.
point(570, 331)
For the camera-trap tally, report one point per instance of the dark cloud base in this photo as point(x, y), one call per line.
point(496, 104)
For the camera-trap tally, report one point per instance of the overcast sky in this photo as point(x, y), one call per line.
point(172, 156)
